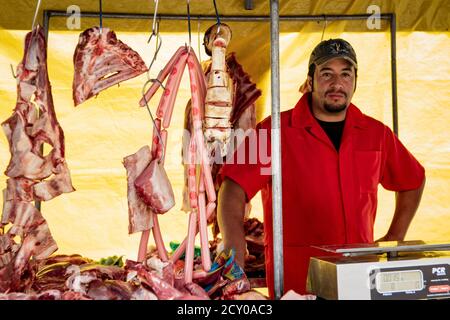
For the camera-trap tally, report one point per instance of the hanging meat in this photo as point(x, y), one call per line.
point(219, 94)
point(240, 114)
point(201, 187)
point(101, 61)
point(32, 175)
point(230, 95)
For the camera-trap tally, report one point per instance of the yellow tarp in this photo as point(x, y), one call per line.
point(93, 220)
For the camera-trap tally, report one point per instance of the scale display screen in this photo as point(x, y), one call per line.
point(399, 281)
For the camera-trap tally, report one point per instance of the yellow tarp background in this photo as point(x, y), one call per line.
point(93, 220)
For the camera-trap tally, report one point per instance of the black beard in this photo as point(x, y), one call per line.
point(334, 109)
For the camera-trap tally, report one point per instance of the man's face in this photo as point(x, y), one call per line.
point(334, 83)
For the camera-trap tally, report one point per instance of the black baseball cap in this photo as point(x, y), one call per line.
point(330, 49)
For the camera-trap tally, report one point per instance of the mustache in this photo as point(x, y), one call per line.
point(334, 91)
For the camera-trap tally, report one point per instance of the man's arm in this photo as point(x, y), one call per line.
point(230, 216)
point(406, 206)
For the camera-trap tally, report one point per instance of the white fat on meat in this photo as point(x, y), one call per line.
point(58, 184)
point(154, 187)
point(19, 189)
point(157, 265)
point(101, 61)
point(38, 243)
point(139, 214)
point(24, 217)
point(77, 281)
point(24, 163)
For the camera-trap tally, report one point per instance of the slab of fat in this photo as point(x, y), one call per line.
point(223, 112)
point(217, 123)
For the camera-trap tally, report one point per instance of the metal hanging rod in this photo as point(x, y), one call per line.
point(384, 16)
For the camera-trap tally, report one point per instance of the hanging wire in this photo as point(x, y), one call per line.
point(153, 121)
point(35, 13)
point(38, 5)
point(154, 18)
point(217, 17)
point(101, 16)
point(189, 24)
point(158, 43)
point(324, 26)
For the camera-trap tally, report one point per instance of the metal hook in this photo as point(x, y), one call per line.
point(12, 71)
point(217, 17)
point(101, 16)
point(154, 15)
point(157, 48)
point(155, 33)
point(35, 13)
point(151, 116)
point(324, 26)
point(189, 24)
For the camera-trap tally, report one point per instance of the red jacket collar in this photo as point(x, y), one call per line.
point(302, 116)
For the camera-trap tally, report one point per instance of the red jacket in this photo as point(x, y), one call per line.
point(328, 197)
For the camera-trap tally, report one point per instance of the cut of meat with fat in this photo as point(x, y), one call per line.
point(32, 124)
point(19, 189)
point(139, 213)
point(60, 183)
point(24, 162)
point(154, 187)
point(16, 267)
point(33, 121)
point(38, 243)
point(101, 61)
point(23, 215)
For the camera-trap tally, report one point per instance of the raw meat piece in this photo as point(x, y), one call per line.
point(60, 183)
point(154, 188)
point(101, 61)
point(139, 214)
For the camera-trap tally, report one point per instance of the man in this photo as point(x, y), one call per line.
point(333, 158)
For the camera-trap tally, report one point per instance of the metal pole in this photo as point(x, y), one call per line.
point(45, 24)
point(277, 209)
point(394, 73)
point(53, 13)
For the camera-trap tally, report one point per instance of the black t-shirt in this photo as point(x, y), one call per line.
point(333, 130)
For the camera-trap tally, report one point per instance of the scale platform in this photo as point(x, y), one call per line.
point(391, 270)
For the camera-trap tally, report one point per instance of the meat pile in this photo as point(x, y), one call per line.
point(254, 236)
point(64, 277)
point(101, 61)
point(31, 175)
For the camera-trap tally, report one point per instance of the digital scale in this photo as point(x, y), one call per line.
point(382, 271)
